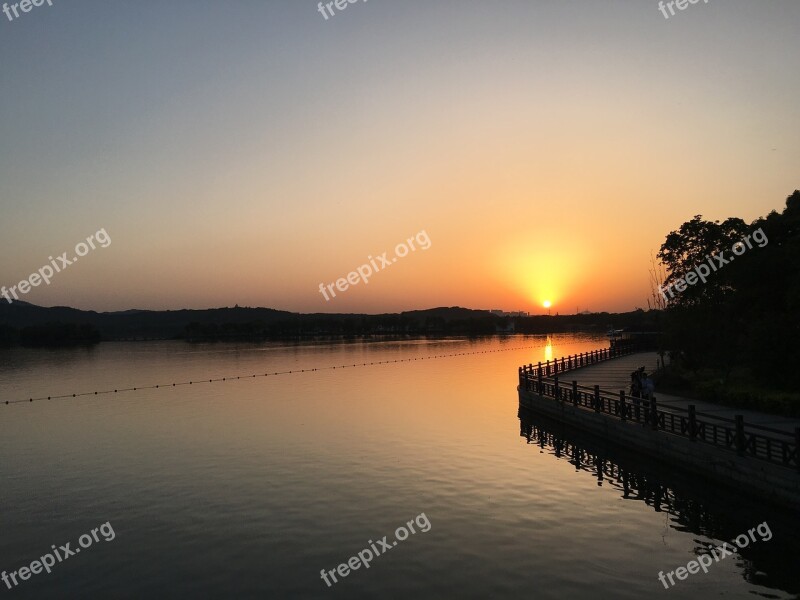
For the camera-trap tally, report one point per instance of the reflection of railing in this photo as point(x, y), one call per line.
point(764, 443)
point(634, 483)
point(692, 502)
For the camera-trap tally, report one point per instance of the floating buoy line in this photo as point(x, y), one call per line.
point(273, 374)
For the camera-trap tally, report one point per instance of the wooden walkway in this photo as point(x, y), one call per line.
point(739, 448)
point(615, 375)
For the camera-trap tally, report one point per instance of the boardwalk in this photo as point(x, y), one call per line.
point(615, 375)
point(745, 450)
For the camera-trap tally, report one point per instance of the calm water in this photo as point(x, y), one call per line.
point(248, 488)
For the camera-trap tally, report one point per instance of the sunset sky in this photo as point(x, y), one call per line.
point(247, 151)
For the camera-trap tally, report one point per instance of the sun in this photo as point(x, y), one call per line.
point(547, 304)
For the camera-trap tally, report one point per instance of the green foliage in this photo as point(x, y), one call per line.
point(769, 401)
point(734, 387)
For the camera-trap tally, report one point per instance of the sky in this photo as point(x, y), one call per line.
point(245, 152)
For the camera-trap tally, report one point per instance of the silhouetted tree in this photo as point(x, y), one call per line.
point(747, 313)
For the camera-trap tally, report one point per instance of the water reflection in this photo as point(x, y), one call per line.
point(690, 504)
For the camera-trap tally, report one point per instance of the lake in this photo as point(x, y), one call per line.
point(250, 487)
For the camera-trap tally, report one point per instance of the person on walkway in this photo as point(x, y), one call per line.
point(636, 383)
point(648, 386)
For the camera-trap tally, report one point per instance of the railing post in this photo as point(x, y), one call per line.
point(623, 408)
point(637, 408)
point(556, 390)
point(597, 398)
point(740, 434)
point(575, 400)
point(526, 374)
point(692, 422)
point(539, 377)
point(548, 368)
point(653, 413)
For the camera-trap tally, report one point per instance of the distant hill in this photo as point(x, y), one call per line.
point(243, 323)
point(132, 324)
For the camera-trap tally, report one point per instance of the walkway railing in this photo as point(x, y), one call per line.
point(584, 359)
point(763, 443)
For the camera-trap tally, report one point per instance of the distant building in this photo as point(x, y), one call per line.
point(501, 313)
point(509, 328)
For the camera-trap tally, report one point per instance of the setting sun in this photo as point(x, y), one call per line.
point(547, 304)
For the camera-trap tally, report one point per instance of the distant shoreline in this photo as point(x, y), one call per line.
point(30, 325)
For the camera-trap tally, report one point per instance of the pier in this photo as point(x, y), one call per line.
point(750, 450)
